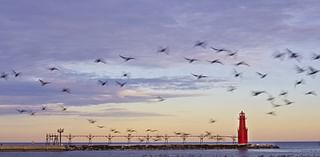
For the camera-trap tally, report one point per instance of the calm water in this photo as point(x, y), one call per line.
point(290, 149)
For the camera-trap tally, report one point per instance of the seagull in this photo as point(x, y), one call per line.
point(100, 126)
point(43, 83)
point(164, 50)
point(16, 74)
point(121, 84)
point(312, 71)
point(315, 56)
point(63, 108)
point(160, 99)
point(21, 110)
point(288, 102)
point(262, 75)
point(102, 83)
point(275, 105)
point(126, 59)
point(53, 69)
point(212, 121)
point(207, 133)
point(100, 60)
point(270, 98)
point(311, 93)
point(91, 121)
point(4, 76)
point(272, 113)
point(177, 133)
point(216, 61)
point(219, 50)
point(279, 55)
point(242, 63)
point(283, 93)
point(231, 88)
point(202, 44)
point(32, 113)
point(190, 60)
point(299, 69)
point(66, 90)
point(43, 107)
point(237, 74)
point(299, 82)
point(231, 54)
point(293, 55)
point(199, 76)
point(127, 75)
point(256, 93)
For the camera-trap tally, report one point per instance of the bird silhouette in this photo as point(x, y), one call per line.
point(43, 83)
point(232, 54)
point(16, 74)
point(121, 84)
point(43, 107)
point(237, 74)
point(262, 75)
point(299, 82)
point(217, 61)
point(202, 44)
point(288, 102)
point(126, 75)
point(191, 60)
point(199, 76)
point(53, 69)
point(66, 90)
point(63, 108)
point(126, 59)
point(270, 98)
point(102, 83)
point(212, 121)
point(299, 69)
point(141, 139)
point(160, 99)
point(100, 126)
point(164, 50)
point(256, 93)
point(219, 49)
point(4, 75)
point(231, 88)
point(279, 55)
point(275, 105)
point(100, 60)
point(312, 71)
point(293, 55)
point(91, 121)
point(242, 63)
point(32, 113)
point(151, 130)
point(311, 93)
point(21, 110)
point(177, 133)
point(315, 56)
point(283, 93)
point(272, 113)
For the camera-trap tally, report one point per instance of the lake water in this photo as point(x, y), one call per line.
point(289, 149)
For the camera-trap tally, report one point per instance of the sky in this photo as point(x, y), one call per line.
point(71, 35)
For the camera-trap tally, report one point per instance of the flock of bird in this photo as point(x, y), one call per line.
point(287, 54)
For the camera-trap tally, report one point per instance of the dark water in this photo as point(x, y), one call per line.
point(289, 149)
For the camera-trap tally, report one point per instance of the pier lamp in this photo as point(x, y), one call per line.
point(60, 131)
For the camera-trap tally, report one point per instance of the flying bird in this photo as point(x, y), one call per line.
point(279, 55)
point(256, 93)
point(315, 56)
point(4, 76)
point(288, 102)
point(231, 88)
point(199, 76)
point(212, 121)
point(43, 107)
point(53, 69)
point(312, 71)
point(272, 113)
point(121, 84)
point(63, 108)
point(262, 75)
point(242, 63)
point(21, 110)
point(293, 55)
point(16, 74)
point(191, 60)
point(232, 54)
point(102, 83)
point(216, 61)
point(100, 126)
point(100, 60)
point(299, 69)
point(164, 50)
point(91, 121)
point(237, 74)
point(160, 99)
point(66, 90)
point(202, 44)
point(126, 59)
point(283, 93)
point(311, 93)
point(299, 82)
point(43, 83)
point(220, 49)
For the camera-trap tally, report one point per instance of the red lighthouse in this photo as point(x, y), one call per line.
point(242, 131)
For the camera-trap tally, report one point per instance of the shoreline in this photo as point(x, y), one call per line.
point(51, 148)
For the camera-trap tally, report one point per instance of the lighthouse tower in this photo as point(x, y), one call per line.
point(242, 131)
